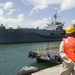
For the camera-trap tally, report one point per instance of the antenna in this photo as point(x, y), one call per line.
point(55, 16)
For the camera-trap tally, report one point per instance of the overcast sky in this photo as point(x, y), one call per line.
point(33, 13)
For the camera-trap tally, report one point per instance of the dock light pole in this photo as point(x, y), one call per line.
point(48, 46)
point(48, 50)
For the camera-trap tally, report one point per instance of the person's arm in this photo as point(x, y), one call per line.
point(61, 50)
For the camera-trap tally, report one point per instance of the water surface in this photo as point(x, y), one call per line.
point(15, 56)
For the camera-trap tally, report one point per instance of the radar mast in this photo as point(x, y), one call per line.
point(55, 16)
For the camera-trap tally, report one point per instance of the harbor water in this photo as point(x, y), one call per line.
point(15, 56)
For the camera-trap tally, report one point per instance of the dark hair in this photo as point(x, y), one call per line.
point(69, 35)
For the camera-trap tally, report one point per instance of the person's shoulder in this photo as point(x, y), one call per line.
point(61, 44)
point(63, 39)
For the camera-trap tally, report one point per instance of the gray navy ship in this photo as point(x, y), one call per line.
point(52, 32)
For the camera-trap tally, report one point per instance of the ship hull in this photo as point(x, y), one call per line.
point(29, 35)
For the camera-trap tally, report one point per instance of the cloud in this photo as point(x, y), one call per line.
point(26, 2)
point(8, 5)
point(1, 12)
point(40, 4)
point(7, 9)
point(43, 4)
point(67, 4)
point(13, 22)
point(1, 4)
point(21, 19)
point(40, 23)
point(10, 11)
point(73, 21)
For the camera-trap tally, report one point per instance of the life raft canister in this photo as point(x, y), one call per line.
point(27, 70)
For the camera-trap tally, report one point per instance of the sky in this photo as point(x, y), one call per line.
point(36, 13)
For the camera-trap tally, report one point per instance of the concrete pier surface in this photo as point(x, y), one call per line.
point(49, 71)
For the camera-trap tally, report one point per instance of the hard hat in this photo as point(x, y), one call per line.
point(70, 29)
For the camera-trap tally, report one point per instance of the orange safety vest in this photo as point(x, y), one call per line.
point(69, 47)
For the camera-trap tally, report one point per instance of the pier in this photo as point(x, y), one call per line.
point(49, 71)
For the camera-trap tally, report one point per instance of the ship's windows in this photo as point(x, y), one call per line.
point(62, 33)
point(57, 34)
point(52, 34)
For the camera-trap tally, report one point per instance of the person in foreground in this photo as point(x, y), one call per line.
point(67, 52)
